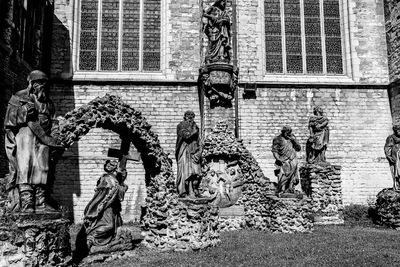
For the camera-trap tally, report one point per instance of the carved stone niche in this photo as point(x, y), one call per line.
point(224, 182)
point(219, 82)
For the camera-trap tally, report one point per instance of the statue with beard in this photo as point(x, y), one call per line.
point(30, 147)
point(187, 154)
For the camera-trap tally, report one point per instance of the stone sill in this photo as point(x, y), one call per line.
point(119, 76)
point(284, 78)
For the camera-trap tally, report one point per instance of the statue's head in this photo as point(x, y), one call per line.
point(38, 85)
point(286, 131)
point(318, 111)
point(220, 3)
point(189, 115)
point(110, 166)
point(396, 129)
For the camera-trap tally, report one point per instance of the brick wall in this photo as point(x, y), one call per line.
point(392, 12)
point(358, 109)
point(359, 122)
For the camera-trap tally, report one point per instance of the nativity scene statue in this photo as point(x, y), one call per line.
point(217, 29)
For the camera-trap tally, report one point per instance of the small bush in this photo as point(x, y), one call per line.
point(356, 214)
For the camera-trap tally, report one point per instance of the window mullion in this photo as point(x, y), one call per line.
point(141, 35)
point(303, 37)
point(283, 36)
point(120, 27)
point(99, 14)
point(322, 23)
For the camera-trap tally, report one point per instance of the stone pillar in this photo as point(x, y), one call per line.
point(322, 183)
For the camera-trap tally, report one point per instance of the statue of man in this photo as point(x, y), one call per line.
point(392, 152)
point(284, 148)
point(102, 215)
point(187, 156)
point(318, 141)
point(217, 30)
point(29, 124)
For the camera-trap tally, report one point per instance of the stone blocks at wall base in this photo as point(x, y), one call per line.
point(34, 240)
point(187, 225)
point(322, 183)
point(388, 208)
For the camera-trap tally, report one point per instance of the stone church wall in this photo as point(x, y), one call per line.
point(357, 104)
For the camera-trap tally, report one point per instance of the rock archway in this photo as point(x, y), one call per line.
point(168, 223)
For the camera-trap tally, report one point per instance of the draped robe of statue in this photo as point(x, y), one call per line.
point(217, 30)
point(29, 158)
point(187, 154)
point(392, 152)
point(284, 151)
point(102, 214)
point(319, 139)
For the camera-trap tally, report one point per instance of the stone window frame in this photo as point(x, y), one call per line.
point(120, 75)
point(348, 53)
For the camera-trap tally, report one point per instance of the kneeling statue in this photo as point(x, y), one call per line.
point(102, 215)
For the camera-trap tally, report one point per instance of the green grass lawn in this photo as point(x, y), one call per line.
point(326, 246)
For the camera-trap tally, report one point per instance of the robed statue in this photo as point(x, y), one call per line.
point(31, 146)
point(392, 152)
point(217, 29)
point(187, 154)
point(285, 148)
point(102, 216)
point(318, 141)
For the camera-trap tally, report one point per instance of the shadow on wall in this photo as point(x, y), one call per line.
point(67, 179)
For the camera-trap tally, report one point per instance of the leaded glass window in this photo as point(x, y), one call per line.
point(119, 35)
point(303, 37)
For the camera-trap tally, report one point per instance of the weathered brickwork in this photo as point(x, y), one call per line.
point(392, 13)
point(359, 122)
point(367, 35)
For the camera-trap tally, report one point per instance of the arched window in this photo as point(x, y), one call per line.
point(119, 35)
point(303, 37)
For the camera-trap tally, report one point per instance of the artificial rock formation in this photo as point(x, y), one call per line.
point(162, 207)
point(322, 183)
point(261, 210)
point(34, 240)
point(388, 208)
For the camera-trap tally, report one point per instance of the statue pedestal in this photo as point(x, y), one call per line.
point(282, 215)
point(219, 81)
point(34, 240)
point(388, 208)
point(185, 225)
point(322, 183)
